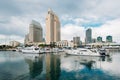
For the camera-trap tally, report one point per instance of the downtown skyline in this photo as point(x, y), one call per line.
point(102, 16)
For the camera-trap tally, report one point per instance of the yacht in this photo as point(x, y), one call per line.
point(61, 50)
point(50, 50)
point(57, 50)
point(31, 49)
point(83, 52)
point(103, 51)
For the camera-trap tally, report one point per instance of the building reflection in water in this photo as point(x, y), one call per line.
point(35, 65)
point(52, 67)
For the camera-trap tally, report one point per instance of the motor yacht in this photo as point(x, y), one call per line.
point(84, 52)
point(31, 49)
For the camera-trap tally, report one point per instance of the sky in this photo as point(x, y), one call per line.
point(102, 16)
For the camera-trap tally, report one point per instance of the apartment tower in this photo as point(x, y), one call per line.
point(88, 38)
point(35, 32)
point(76, 41)
point(52, 27)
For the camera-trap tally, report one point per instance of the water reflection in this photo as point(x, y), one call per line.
point(88, 64)
point(52, 67)
point(18, 66)
point(12, 65)
point(48, 63)
point(106, 58)
point(85, 67)
point(35, 63)
point(35, 66)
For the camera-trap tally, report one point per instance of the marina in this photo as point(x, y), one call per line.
point(58, 66)
point(59, 40)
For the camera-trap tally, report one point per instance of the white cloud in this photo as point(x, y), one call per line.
point(69, 31)
point(107, 8)
point(5, 39)
point(15, 16)
point(109, 28)
point(14, 26)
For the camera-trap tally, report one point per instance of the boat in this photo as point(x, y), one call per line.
point(19, 49)
point(83, 52)
point(31, 49)
point(61, 50)
point(50, 50)
point(56, 50)
point(103, 51)
point(45, 50)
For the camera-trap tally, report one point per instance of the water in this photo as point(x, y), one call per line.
point(18, 66)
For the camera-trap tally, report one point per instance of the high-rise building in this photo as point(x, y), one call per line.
point(88, 38)
point(76, 41)
point(109, 39)
point(99, 39)
point(35, 32)
point(52, 27)
point(26, 41)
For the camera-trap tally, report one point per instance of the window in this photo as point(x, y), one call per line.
point(36, 48)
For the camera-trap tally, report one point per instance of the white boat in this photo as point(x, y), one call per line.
point(31, 49)
point(57, 50)
point(45, 50)
point(50, 50)
point(61, 50)
point(19, 49)
point(83, 52)
point(103, 51)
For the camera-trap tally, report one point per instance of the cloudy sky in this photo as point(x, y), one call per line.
point(103, 16)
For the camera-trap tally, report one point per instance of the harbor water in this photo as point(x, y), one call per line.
point(58, 66)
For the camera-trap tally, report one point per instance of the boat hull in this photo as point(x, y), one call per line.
point(83, 52)
point(30, 51)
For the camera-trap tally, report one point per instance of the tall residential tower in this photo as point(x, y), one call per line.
point(52, 27)
point(76, 41)
point(88, 38)
point(35, 33)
